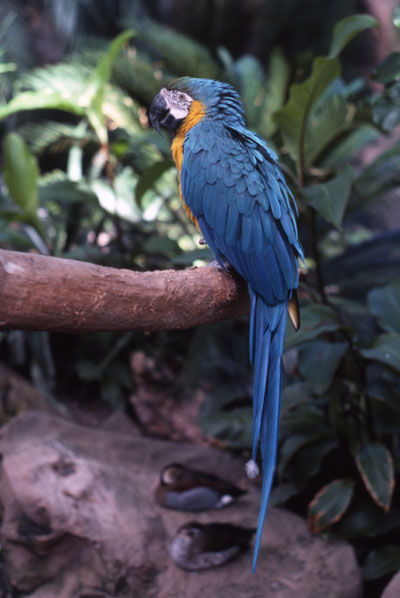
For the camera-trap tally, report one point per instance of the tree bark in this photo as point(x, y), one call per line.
point(47, 293)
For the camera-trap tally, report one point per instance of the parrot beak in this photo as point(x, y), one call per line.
point(159, 112)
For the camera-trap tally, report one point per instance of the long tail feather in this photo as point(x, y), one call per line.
point(267, 333)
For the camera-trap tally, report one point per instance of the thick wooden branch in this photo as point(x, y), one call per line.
point(47, 293)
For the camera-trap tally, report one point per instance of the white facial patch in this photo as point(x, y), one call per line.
point(179, 103)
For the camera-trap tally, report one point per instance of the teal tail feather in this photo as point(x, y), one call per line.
point(267, 334)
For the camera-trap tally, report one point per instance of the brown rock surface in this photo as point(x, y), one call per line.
point(392, 590)
point(79, 522)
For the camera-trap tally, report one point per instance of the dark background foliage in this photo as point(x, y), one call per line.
point(85, 177)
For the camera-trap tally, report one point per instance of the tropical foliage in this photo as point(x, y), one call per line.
point(85, 177)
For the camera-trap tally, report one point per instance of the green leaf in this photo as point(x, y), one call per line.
point(31, 100)
point(307, 462)
point(21, 174)
point(293, 119)
point(375, 464)
point(318, 361)
point(97, 82)
point(149, 178)
point(316, 319)
point(381, 175)
point(348, 146)
point(384, 303)
point(348, 28)
point(281, 494)
point(386, 349)
point(388, 70)
point(275, 92)
point(381, 561)
point(251, 82)
point(329, 504)
point(330, 199)
point(367, 520)
point(293, 444)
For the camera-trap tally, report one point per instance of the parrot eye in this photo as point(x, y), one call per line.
point(181, 97)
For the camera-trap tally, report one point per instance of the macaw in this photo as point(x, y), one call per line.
point(233, 189)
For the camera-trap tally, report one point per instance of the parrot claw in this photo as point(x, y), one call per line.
point(202, 241)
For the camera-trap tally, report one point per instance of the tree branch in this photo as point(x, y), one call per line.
point(47, 293)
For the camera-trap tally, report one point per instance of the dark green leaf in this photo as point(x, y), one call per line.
point(388, 70)
point(330, 199)
point(375, 465)
point(348, 28)
point(21, 174)
point(149, 178)
point(307, 462)
point(318, 361)
point(368, 520)
point(386, 349)
point(294, 395)
point(281, 493)
point(293, 444)
point(381, 561)
point(349, 144)
point(96, 84)
point(381, 175)
point(384, 303)
point(293, 119)
point(316, 319)
point(329, 504)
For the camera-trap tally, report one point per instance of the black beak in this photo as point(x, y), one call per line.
point(159, 112)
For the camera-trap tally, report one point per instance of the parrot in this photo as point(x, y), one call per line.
point(233, 189)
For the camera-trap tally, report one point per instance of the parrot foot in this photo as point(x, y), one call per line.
point(202, 241)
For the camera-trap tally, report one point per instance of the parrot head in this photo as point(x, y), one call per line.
point(174, 103)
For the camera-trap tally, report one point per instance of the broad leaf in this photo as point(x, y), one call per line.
point(293, 444)
point(329, 504)
point(149, 177)
point(375, 464)
point(251, 82)
point(318, 361)
point(368, 520)
point(380, 176)
point(386, 349)
point(96, 85)
point(293, 119)
point(281, 493)
point(388, 70)
point(275, 91)
point(307, 462)
point(384, 303)
point(348, 146)
point(21, 174)
point(348, 28)
point(316, 319)
point(381, 561)
point(330, 199)
point(31, 100)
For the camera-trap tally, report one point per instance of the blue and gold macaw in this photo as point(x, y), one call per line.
point(234, 190)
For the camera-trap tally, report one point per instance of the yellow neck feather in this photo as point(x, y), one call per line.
point(196, 113)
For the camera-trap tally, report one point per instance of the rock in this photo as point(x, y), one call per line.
point(392, 590)
point(79, 522)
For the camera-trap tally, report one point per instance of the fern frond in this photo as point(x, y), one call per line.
point(54, 137)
